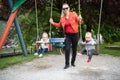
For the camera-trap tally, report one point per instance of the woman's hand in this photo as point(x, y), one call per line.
point(51, 21)
point(80, 17)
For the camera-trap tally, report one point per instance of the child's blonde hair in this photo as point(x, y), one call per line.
point(44, 35)
point(88, 35)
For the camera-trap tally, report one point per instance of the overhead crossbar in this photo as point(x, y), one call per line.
point(17, 4)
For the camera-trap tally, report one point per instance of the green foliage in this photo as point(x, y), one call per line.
point(29, 27)
point(111, 52)
point(2, 25)
point(83, 31)
point(110, 34)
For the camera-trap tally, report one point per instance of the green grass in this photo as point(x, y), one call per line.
point(103, 50)
point(111, 52)
point(8, 61)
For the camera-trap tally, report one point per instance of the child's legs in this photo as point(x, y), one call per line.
point(83, 50)
point(38, 50)
point(44, 50)
point(90, 53)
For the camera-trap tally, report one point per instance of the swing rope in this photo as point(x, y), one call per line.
point(98, 38)
point(80, 40)
point(51, 17)
point(38, 37)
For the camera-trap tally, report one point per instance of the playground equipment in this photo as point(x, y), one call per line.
point(14, 11)
point(58, 42)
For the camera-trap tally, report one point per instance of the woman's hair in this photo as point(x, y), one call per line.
point(65, 4)
point(62, 14)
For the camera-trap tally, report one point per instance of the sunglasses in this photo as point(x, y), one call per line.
point(65, 8)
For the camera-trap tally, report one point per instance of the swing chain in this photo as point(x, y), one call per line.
point(98, 37)
point(38, 37)
point(80, 40)
point(51, 17)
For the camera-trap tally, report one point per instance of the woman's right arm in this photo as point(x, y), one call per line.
point(54, 23)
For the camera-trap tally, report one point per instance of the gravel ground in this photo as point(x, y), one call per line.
point(102, 67)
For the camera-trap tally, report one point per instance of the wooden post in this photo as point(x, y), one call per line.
point(50, 47)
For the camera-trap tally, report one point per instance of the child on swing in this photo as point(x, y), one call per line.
point(89, 46)
point(43, 47)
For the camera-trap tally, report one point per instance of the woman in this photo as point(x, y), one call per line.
point(69, 22)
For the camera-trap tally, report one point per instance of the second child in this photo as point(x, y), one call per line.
point(89, 46)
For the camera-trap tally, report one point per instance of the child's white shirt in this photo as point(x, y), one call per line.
point(44, 43)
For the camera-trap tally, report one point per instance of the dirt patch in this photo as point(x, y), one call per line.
point(102, 67)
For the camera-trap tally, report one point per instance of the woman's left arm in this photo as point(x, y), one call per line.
point(78, 18)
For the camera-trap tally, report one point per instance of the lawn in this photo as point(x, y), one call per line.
point(103, 50)
point(8, 61)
